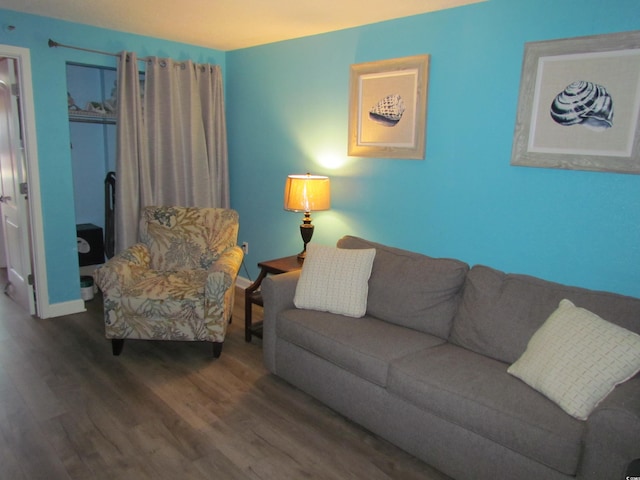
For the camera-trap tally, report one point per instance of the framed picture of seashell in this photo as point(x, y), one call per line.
point(388, 108)
point(579, 104)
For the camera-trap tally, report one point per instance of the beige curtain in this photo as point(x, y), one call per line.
point(131, 152)
point(172, 147)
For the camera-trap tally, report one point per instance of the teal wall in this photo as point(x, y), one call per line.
point(50, 96)
point(288, 113)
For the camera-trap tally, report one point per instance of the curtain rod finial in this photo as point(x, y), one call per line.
point(52, 43)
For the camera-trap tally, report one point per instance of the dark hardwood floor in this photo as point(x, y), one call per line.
point(69, 409)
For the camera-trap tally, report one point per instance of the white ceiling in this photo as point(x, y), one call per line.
point(228, 24)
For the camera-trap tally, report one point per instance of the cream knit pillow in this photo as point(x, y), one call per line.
point(335, 280)
point(576, 359)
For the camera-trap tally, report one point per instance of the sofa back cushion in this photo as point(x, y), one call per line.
point(410, 289)
point(500, 312)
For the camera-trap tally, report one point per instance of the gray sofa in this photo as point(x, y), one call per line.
point(426, 368)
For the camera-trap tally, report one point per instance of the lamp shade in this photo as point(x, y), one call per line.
point(306, 193)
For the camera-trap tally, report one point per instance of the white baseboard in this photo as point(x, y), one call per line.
point(242, 282)
point(62, 308)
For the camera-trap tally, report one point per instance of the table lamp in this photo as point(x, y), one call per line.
point(304, 193)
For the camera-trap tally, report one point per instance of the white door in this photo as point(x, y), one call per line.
point(13, 199)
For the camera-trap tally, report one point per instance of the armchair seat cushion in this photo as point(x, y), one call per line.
point(165, 294)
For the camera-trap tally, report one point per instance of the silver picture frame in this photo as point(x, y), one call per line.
point(579, 104)
point(388, 108)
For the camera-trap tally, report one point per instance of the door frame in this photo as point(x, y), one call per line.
point(39, 268)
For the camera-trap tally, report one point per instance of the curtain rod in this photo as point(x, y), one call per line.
point(53, 43)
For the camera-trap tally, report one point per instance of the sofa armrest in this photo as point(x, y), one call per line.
point(277, 295)
point(122, 269)
point(612, 438)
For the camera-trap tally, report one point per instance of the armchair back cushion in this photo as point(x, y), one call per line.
point(186, 238)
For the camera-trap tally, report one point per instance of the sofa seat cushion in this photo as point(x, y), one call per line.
point(363, 346)
point(477, 393)
point(411, 289)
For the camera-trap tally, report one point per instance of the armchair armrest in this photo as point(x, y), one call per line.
point(122, 268)
point(223, 272)
point(229, 261)
point(219, 290)
point(277, 295)
point(612, 438)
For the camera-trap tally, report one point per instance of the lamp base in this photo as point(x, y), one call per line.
point(306, 231)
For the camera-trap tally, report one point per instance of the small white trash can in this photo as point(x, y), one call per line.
point(86, 287)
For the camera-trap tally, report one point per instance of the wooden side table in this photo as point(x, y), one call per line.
point(253, 295)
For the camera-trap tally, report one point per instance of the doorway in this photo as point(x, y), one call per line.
point(21, 236)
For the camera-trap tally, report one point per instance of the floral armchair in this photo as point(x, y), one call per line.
point(178, 282)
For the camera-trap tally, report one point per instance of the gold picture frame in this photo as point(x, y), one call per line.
point(579, 104)
point(388, 108)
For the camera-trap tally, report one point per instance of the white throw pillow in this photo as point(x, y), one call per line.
point(576, 359)
point(335, 280)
